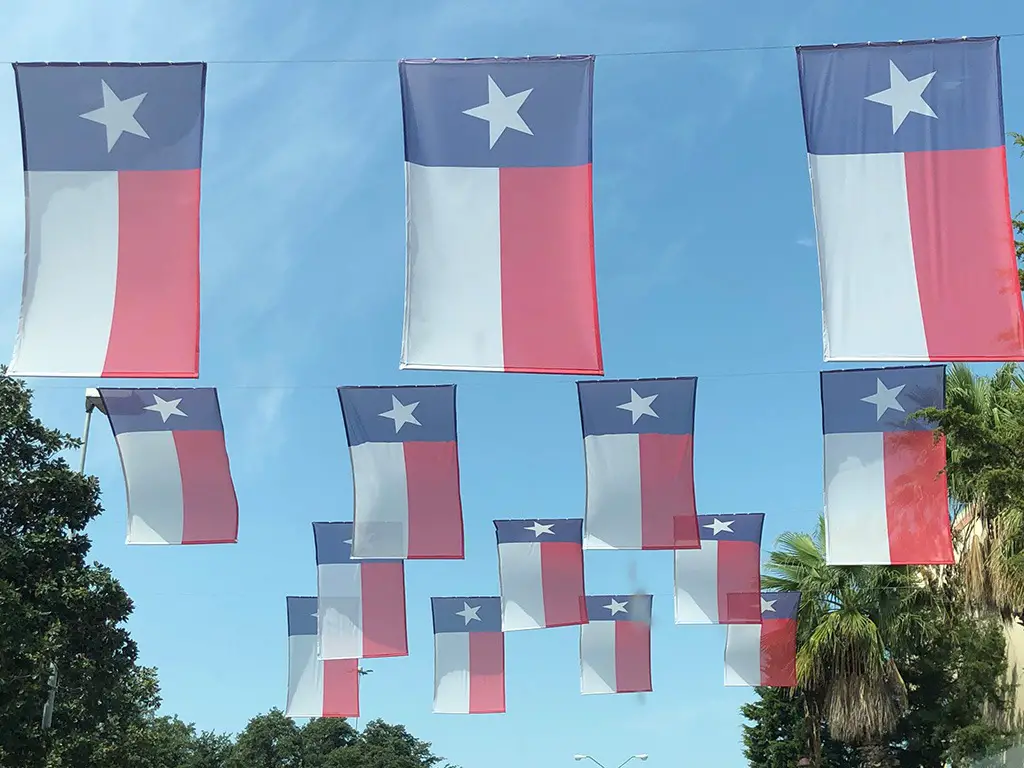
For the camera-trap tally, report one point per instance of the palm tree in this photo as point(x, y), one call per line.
point(851, 618)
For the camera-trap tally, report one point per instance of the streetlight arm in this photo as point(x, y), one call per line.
point(588, 757)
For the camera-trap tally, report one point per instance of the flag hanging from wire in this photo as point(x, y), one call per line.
point(720, 583)
point(540, 573)
point(499, 213)
point(469, 655)
point(112, 156)
point(316, 688)
point(764, 654)
point(361, 604)
point(175, 463)
point(615, 644)
point(405, 468)
point(907, 155)
point(886, 501)
point(638, 447)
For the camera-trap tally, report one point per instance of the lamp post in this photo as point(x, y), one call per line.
point(577, 758)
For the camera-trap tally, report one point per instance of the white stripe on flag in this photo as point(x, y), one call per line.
point(857, 527)
point(453, 269)
point(340, 610)
point(381, 528)
point(869, 288)
point(451, 673)
point(152, 475)
point(522, 586)
point(305, 678)
point(696, 582)
point(613, 519)
point(743, 654)
point(70, 273)
point(597, 657)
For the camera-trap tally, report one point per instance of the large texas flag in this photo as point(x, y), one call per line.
point(112, 158)
point(499, 215)
point(907, 156)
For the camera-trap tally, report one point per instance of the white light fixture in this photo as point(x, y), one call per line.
point(580, 757)
point(640, 757)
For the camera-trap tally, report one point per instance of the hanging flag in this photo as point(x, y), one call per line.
point(361, 604)
point(540, 573)
point(907, 158)
point(720, 583)
point(638, 445)
point(764, 654)
point(469, 655)
point(499, 215)
point(316, 688)
point(615, 646)
point(112, 163)
point(886, 501)
point(175, 462)
point(405, 468)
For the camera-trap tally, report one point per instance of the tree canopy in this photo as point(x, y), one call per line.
point(57, 608)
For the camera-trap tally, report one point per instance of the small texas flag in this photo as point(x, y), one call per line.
point(615, 646)
point(765, 653)
point(469, 655)
point(316, 688)
point(405, 468)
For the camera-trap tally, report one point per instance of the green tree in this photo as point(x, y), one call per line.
point(56, 608)
point(778, 736)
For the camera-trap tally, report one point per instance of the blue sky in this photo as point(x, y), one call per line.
point(705, 265)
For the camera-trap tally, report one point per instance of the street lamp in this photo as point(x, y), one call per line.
point(577, 758)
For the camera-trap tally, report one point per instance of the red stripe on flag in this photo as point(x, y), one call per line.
point(154, 330)
point(548, 289)
point(341, 688)
point(209, 504)
point(668, 518)
point(916, 499)
point(435, 508)
point(778, 653)
point(486, 672)
point(632, 656)
point(561, 567)
point(964, 254)
point(739, 582)
point(383, 606)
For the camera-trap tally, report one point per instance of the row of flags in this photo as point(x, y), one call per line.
point(359, 612)
point(886, 500)
point(907, 160)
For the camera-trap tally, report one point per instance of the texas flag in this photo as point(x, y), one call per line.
point(499, 215)
point(469, 655)
point(361, 604)
point(886, 501)
point(615, 646)
point(765, 654)
point(638, 445)
point(112, 154)
point(720, 583)
point(175, 463)
point(540, 573)
point(316, 688)
point(907, 157)
point(405, 468)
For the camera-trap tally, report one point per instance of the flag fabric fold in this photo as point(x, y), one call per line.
point(361, 605)
point(615, 645)
point(907, 155)
point(720, 583)
point(405, 469)
point(112, 157)
point(886, 500)
point(540, 573)
point(316, 688)
point(499, 215)
point(638, 447)
point(469, 655)
point(764, 654)
point(175, 462)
